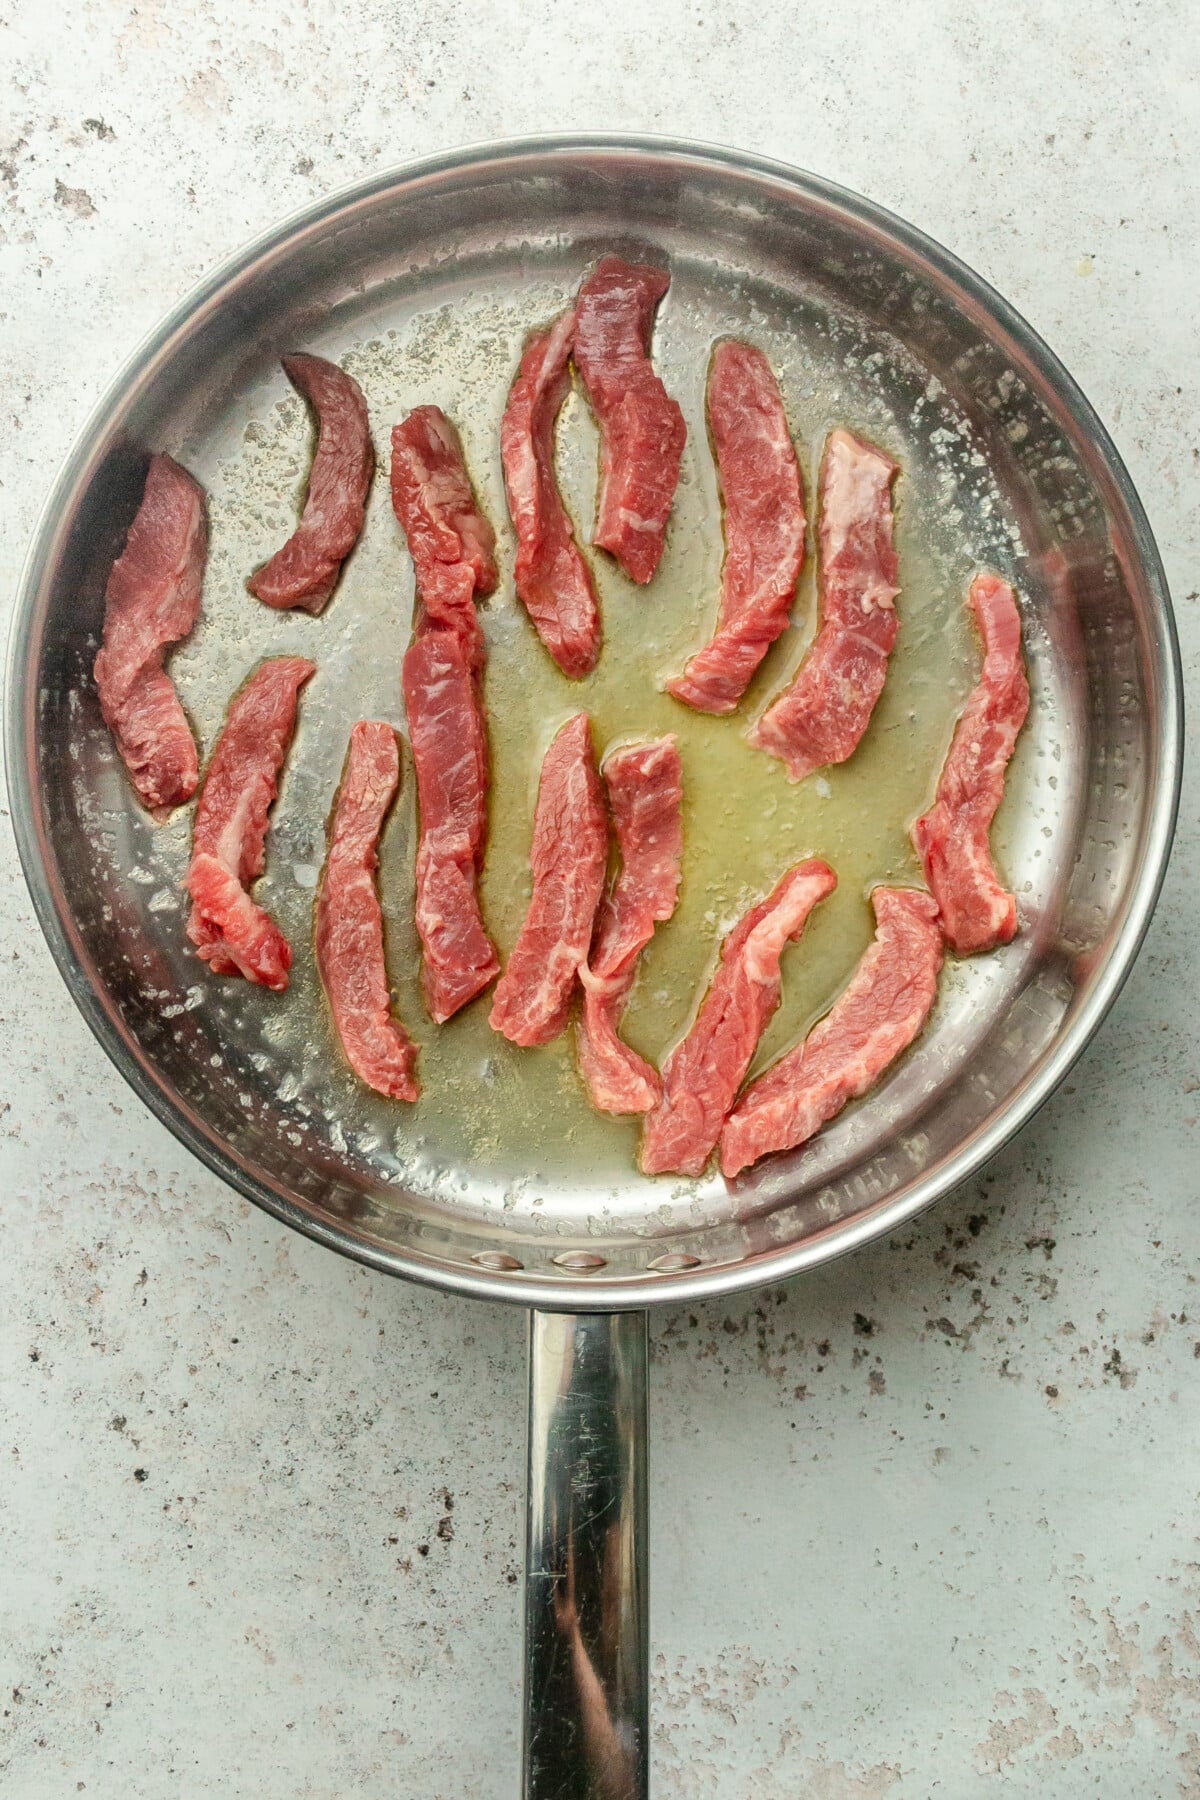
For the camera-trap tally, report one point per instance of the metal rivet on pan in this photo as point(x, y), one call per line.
point(675, 1260)
point(496, 1259)
point(580, 1261)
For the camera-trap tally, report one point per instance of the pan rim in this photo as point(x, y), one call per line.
point(605, 1292)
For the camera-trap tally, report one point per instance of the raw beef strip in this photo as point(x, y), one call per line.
point(568, 858)
point(152, 600)
point(642, 432)
point(446, 602)
point(232, 934)
point(452, 548)
point(952, 837)
point(451, 543)
point(434, 499)
point(764, 527)
point(877, 1016)
point(552, 578)
point(350, 923)
point(820, 718)
point(445, 724)
point(305, 571)
point(703, 1073)
point(645, 797)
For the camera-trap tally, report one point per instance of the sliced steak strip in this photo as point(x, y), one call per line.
point(763, 501)
point(445, 723)
point(822, 716)
point(552, 578)
point(568, 858)
point(642, 432)
point(435, 502)
point(951, 839)
point(645, 797)
point(349, 933)
point(702, 1075)
point(232, 934)
point(152, 600)
point(877, 1016)
point(452, 547)
point(304, 572)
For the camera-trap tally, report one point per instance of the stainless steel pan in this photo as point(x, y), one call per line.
point(426, 279)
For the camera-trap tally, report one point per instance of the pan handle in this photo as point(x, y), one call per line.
point(586, 1649)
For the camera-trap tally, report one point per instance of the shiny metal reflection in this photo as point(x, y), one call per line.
point(586, 1643)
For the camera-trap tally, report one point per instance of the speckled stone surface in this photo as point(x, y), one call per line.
point(924, 1524)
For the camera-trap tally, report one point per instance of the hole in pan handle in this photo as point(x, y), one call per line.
point(586, 1733)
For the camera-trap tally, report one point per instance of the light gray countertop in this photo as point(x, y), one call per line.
point(924, 1523)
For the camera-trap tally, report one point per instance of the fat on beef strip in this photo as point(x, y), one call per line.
point(552, 578)
point(232, 934)
point(568, 858)
point(304, 571)
point(349, 927)
point(642, 432)
point(702, 1075)
point(645, 797)
point(763, 500)
point(952, 837)
point(821, 717)
point(152, 600)
point(877, 1016)
point(452, 547)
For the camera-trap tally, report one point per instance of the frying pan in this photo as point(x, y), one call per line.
point(1005, 463)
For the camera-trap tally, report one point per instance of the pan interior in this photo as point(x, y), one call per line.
point(425, 290)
